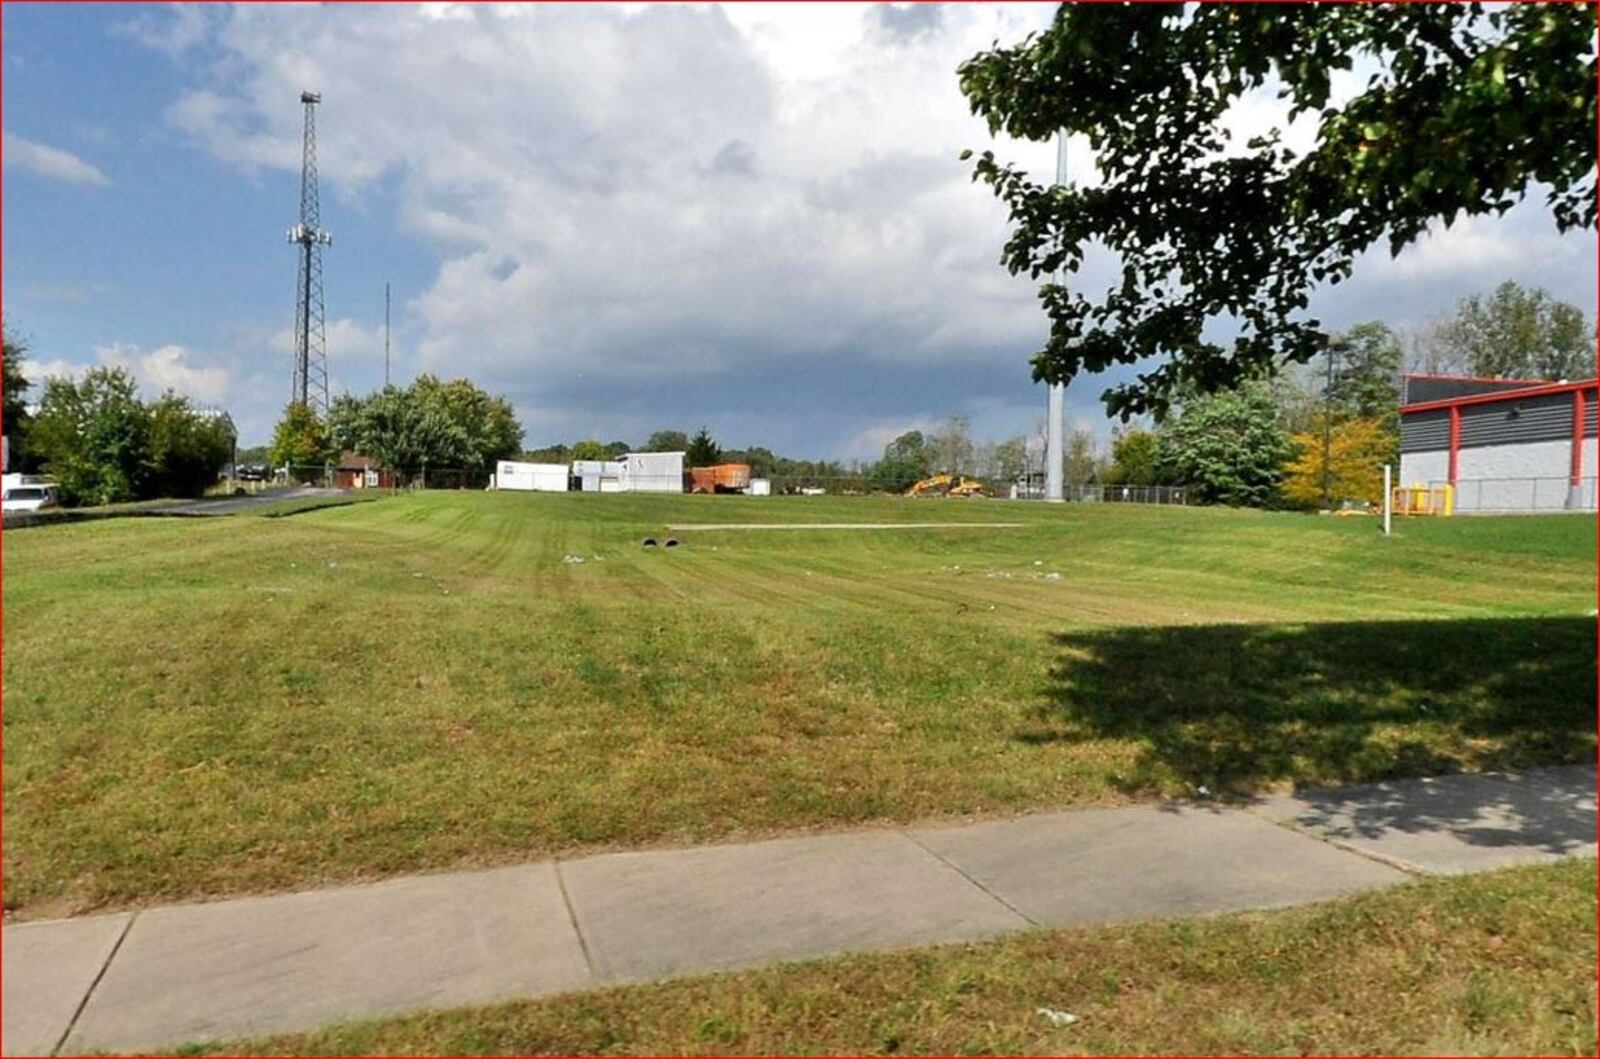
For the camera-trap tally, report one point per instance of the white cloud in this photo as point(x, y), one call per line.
point(173, 368)
point(347, 339)
point(206, 379)
point(52, 162)
point(180, 28)
point(752, 216)
point(37, 371)
point(658, 195)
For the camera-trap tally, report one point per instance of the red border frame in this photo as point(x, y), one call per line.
point(1535, 390)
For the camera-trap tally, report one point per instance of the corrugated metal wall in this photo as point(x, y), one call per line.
point(1543, 418)
point(1425, 431)
point(1547, 418)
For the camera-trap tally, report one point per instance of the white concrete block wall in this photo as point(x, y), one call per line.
point(1531, 476)
point(1420, 468)
point(1533, 459)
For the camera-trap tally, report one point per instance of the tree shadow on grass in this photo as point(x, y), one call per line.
point(1238, 708)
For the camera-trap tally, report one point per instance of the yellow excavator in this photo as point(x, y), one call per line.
point(958, 485)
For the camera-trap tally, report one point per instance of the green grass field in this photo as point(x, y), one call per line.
point(1496, 964)
point(202, 707)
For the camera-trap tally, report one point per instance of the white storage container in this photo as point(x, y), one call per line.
point(598, 476)
point(531, 477)
point(652, 472)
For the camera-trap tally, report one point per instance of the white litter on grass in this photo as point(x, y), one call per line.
point(1038, 562)
point(691, 526)
point(415, 573)
point(1057, 1018)
point(1052, 576)
point(1203, 791)
point(572, 558)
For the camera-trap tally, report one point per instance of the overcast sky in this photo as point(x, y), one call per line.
point(623, 218)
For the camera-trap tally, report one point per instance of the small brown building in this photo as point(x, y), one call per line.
point(356, 471)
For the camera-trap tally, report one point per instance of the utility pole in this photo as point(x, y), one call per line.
point(1054, 457)
point(1327, 436)
point(385, 336)
point(310, 387)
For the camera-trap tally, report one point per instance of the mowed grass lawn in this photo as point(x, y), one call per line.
point(201, 707)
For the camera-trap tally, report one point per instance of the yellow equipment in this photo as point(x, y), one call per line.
point(1425, 500)
point(958, 485)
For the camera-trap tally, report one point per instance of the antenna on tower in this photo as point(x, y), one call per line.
point(310, 335)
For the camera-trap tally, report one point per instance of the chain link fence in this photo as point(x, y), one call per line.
point(1128, 494)
point(334, 477)
point(1512, 495)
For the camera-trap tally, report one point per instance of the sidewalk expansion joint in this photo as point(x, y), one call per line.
point(1019, 913)
point(1344, 847)
point(105, 966)
point(572, 917)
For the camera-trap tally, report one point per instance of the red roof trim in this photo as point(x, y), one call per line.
point(1475, 378)
point(1502, 395)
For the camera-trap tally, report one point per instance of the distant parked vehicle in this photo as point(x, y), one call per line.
point(29, 498)
point(254, 472)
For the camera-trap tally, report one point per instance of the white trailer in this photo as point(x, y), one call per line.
point(531, 477)
point(652, 472)
point(598, 476)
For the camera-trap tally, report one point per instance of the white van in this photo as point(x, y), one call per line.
point(29, 498)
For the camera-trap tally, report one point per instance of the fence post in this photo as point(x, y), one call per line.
point(1388, 496)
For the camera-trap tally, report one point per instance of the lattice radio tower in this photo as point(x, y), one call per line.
point(310, 337)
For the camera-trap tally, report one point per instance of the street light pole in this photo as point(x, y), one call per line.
point(1327, 435)
point(1054, 460)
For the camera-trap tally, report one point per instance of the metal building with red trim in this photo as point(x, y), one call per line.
point(1504, 444)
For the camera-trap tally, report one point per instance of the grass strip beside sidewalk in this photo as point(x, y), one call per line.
point(1496, 963)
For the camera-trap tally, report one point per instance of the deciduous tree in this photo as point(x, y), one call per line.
point(1229, 447)
point(667, 441)
point(1518, 333)
point(1219, 244)
point(14, 388)
point(1366, 374)
point(301, 442)
point(1360, 448)
point(93, 437)
point(188, 449)
point(430, 424)
point(906, 459)
point(1133, 458)
point(590, 450)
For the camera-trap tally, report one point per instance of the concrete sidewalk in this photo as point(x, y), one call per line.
point(257, 965)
